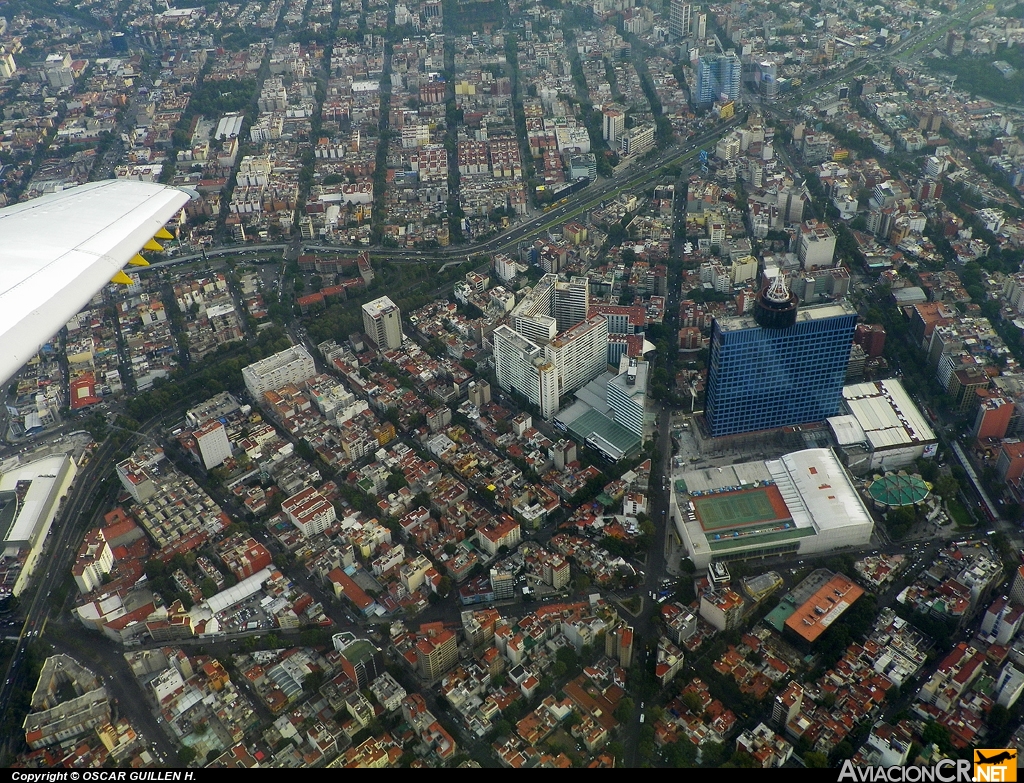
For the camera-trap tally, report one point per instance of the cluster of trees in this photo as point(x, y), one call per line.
point(663, 133)
point(341, 319)
point(159, 575)
point(939, 629)
point(212, 99)
point(468, 17)
point(518, 114)
point(977, 75)
point(857, 621)
point(219, 371)
point(899, 521)
point(380, 170)
point(21, 694)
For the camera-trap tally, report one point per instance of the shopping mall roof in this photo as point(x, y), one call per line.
point(31, 491)
point(818, 490)
point(847, 430)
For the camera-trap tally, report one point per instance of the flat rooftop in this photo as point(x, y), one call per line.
point(759, 536)
point(804, 313)
point(379, 306)
point(757, 504)
point(818, 490)
point(885, 414)
point(359, 650)
point(812, 618)
point(517, 340)
point(577, 331)
point(40, 481)
point(593, 424)
point(777, 617)
point(279, 359)
point(638, 388)
point(740, 509)
point(739, 475)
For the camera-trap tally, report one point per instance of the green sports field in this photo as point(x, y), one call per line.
point(739, 509)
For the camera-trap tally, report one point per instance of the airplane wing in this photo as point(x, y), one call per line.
point(58, 251)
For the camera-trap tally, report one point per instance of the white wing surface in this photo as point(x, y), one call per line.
point(57, 251)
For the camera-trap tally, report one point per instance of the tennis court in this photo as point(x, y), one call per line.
point(740, 509)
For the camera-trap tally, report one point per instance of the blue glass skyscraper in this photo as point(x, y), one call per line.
point(780, 367)
point(718, 76)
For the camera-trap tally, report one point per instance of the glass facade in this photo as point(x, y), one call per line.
point(760, 379)
point(718, 75)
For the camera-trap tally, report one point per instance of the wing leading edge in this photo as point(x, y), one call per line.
point(57, 251)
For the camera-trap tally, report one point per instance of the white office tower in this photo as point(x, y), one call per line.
point(728, 147)
point(572, 301)
point(292, 365)
point(7, 65)
point(580, 354)
point(533, 317)
point(791, 203)
point(817, 245)
point(382, 322)
point(520, 366)
point(680, 19)
point(627, 395)
point(505, 267)
point(613, 125)
point(540, 329)
point(214, 446)
point(637, 141)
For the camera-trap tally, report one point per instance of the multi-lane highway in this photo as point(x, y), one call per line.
point(54, 566)
point(632, 178)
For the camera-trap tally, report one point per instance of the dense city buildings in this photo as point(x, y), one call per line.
point(506, 360)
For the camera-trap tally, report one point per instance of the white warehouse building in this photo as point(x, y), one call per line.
point(880, 429)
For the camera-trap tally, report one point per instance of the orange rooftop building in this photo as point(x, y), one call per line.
point(821, 610)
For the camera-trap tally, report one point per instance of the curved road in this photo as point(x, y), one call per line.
point(507, 240)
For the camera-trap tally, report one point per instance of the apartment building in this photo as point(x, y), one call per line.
point(214, 446)
point(292, 365)
point(382, 323)
point(309, 511)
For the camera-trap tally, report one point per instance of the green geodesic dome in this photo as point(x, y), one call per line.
point(898, 490)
